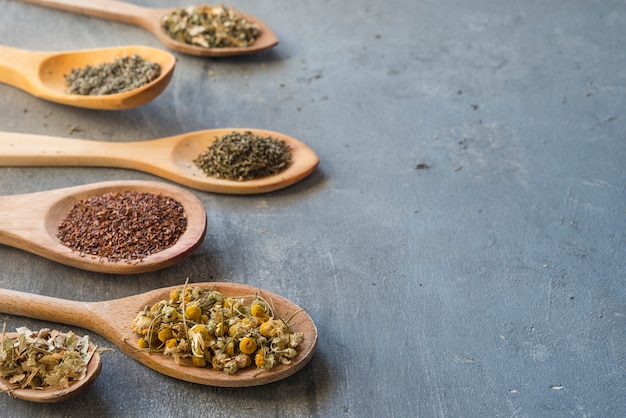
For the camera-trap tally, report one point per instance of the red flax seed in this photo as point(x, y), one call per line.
point(123, 226)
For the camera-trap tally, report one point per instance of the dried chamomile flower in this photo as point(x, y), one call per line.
point(258, 310)
point(142, 322)
point(247, 345)
point(226, 333)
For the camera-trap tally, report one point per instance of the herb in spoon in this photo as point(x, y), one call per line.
point(152, 20)
point(43, 74)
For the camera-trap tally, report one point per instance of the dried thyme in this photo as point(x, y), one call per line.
point(44, 358)
point(123, 225)
point(210, 27)
point(244, 156)
point(124, 74)
point(226, 333)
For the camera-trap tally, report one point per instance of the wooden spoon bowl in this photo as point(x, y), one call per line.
point(30, 222)
point(113, 320)
point(150, 20)
point(50, 394)
point(42, 74)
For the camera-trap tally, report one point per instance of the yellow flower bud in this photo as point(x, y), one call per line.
point(142, 343)
point(193, 312)
point(198, 361)
point(247, 345)
point(257, 310)
point(165, 334)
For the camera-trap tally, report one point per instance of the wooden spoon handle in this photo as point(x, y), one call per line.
point(22, 221)
point(99, 317)
point(18, 149)
point(47, 308)
point(104, 9)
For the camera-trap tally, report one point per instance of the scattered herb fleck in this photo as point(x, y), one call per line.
point(74, 129)
point(124, 74)
point(44, 358)
point(126, 225)
point(210, 27)
point(244, 156)
point(226, 333)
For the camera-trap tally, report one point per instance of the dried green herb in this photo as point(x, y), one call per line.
point(244, 156)
point(125, 226)
point(43, 358)
point(226, 333)
point(124, 74)
point(210, 27)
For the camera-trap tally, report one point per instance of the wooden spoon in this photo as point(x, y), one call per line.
point(112, 319)
point(150, 20)
point(50, 394)
point(30, 222)
point(42, 74)
point(170, 158)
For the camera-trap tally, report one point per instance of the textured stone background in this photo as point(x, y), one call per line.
point(461, 246)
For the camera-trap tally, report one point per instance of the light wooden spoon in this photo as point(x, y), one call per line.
point(50, 394)
point(30, 222)
point(150, 20)
point(170, 158)
point(112, 319)
point(42, 74)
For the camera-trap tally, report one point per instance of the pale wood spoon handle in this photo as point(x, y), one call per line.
point(99, 317)
point(23, 221)
point(47, 308)
point(17, 150)
point(106, 9)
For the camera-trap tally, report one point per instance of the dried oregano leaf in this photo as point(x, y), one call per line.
point(123, 74)
point(244, 156)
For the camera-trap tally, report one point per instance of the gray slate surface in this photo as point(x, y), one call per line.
point(461, 246)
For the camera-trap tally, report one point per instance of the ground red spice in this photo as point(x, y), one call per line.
point(123, 226)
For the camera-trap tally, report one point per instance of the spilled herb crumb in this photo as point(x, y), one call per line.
point(242, 156)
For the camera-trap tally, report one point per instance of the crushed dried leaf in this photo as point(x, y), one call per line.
point(210, 27)
point(44, 358)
